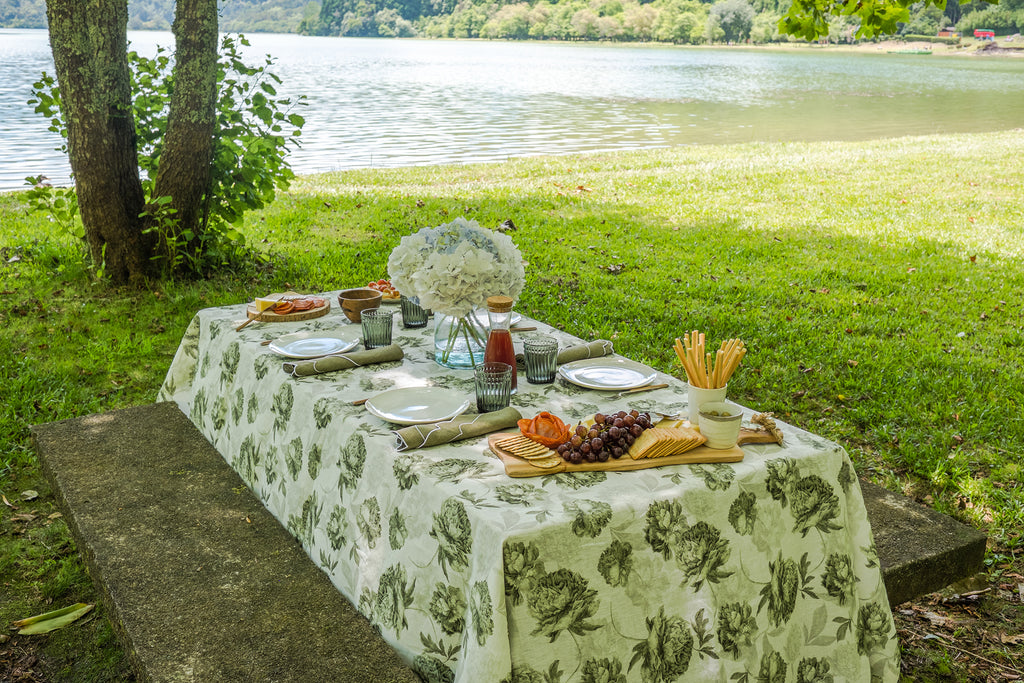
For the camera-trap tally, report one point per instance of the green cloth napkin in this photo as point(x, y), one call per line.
point(595, 349)
point(343, 361)
point(456, 429)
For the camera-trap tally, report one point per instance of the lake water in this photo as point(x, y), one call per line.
point(379, 102)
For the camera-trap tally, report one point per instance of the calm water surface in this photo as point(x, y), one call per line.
point(377, 102)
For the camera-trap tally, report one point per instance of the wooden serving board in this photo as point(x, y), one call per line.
point(517, 467)
point(269, 316)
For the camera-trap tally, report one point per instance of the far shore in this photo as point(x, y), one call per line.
point(1003, 46)
point(967, 48)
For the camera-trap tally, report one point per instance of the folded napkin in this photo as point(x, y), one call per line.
point(343, 361)
point(461, 427)
point(595, 349)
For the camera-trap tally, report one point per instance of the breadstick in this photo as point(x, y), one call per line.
point(736, 358)
point(684, 358)
point(692, 358)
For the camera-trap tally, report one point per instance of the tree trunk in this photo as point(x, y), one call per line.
point(184, 171)
point(89, 43)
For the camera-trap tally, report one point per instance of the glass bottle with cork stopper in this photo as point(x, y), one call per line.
point(499, 342)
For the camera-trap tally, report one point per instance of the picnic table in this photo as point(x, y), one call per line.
point(759, 570)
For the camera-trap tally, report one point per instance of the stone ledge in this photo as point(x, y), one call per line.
point(920, 550)
point(203, 584)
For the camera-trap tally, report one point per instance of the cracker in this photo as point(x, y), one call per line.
point(522, 447)
point(659, 442)
point(546, 463)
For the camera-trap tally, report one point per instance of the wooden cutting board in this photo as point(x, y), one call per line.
point(517, 467)
point(269, 316)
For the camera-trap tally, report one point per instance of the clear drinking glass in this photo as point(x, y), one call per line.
point(413, 315)
point(540, 353)
point(377, 328)
point(493, 386)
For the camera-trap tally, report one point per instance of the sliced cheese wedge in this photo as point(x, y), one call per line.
point(264, 304)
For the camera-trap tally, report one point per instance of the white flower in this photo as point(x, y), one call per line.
point(454, 267)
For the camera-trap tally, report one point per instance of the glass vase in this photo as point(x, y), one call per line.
point(458, 342)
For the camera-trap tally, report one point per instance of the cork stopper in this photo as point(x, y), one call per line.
point(499, 304)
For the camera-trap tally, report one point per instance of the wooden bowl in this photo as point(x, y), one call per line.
point(354, 301)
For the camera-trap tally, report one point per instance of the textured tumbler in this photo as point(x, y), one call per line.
point(540, 353)
point(377, 328)
point(413, 315)
point(493, 386)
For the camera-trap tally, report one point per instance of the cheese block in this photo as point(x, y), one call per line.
point(264, 304)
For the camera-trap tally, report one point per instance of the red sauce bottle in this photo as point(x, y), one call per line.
point(499, 342)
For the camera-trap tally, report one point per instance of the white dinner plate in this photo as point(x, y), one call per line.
point(301, 345)
point(417, 405)
point(607, 373)
point(485, 322)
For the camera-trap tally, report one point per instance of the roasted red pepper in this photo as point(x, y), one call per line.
point(546, 429)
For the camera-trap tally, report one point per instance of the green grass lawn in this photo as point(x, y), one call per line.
point(876, 284)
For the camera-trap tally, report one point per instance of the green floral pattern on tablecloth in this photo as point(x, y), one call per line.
point(758, 571)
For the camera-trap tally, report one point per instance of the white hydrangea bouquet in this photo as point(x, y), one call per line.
point(452, 269)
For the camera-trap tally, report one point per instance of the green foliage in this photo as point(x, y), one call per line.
point(1001, 19)
point(810, 18)
point(624, 20)
point(276, 16)
point(925, 20)
point(736, 17)
point(59, 204)
point(255, 128)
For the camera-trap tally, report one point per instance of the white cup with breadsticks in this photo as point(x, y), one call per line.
point(707, 374)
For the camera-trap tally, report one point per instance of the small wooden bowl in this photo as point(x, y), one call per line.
point(354, 301)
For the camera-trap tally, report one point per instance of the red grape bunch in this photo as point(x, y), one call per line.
point(609, 437)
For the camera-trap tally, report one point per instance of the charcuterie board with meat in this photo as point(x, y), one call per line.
point(288, 307)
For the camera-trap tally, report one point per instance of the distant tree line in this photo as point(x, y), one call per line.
point(673, 21)
point(691, 22)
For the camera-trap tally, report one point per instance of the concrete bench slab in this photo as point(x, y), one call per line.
point(203, 583)
point(920, 550)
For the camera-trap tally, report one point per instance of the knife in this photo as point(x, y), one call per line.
point(637, 390)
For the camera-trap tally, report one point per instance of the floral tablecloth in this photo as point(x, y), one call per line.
point(762, 570)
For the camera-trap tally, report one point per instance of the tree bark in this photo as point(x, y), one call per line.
point(184, 170)
point(89, 43)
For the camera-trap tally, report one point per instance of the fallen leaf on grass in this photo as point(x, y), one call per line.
point(51, 621)
point(8, 503)
point(23, 517)
point(29, 494)
point(1012, 640)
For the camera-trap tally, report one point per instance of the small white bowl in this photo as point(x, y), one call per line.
point(720, 422)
